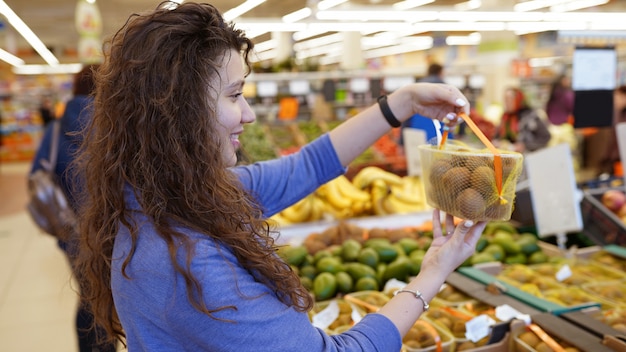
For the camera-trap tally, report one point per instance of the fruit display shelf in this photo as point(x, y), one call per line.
point(601, 224)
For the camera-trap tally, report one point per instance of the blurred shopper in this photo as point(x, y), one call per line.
point(560, 105)
point(521, 125)
point(46, 110)
point(77, 113)
point(179, 255)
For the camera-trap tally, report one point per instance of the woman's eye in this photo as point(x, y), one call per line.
point(236, 95)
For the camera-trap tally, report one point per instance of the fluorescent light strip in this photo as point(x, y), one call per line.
point(10, 58)
point(28, 34)
point(409, 4)
point(536, 4)
point(327, 4)
point(577, 5)
point(499, 16)
point(47, 69)
point(266, 45)
point(472, 39)
point(376, 15)
point(298, 15)
point(241, 9)
point(468, 5)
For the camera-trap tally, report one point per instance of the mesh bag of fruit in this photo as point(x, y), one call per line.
point(470, 183)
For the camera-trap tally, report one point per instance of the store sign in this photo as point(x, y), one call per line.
point(88, 23)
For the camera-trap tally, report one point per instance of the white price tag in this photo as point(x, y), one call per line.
point(505, 313)
point(413, 138)
point(356, 316)
point(563, 273)
point(327, 316)
point(393, 285)
point(478, 327)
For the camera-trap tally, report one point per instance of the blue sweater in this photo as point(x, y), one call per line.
point(153, 305)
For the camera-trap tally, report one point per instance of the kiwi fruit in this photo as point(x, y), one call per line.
point(470, 205)
point(498, 211)
point(425, 338)
point(483, 180)
point(455, 180)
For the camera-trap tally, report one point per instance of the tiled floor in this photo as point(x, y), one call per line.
point(37, 300)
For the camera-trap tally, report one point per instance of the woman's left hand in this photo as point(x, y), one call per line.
point(447, 252)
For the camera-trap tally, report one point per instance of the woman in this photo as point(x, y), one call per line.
point(521, 125)
point(178, 256)
point(560, 105)
point(76, 114)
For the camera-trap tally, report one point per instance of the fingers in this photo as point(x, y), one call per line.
point(437, 231)
point(449, 224)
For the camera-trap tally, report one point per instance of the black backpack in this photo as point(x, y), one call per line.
point(48, 205)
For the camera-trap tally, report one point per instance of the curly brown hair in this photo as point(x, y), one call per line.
point(155, 129)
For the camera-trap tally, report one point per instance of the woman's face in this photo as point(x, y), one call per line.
point(232, 108)
point(510, 104)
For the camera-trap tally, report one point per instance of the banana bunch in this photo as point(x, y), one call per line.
point(391, 194)
point(366, 176)
point(343, 199)
point(408, 197)
point(309, 208)
point(373, 191)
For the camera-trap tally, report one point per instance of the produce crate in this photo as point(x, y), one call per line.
point(600, 224)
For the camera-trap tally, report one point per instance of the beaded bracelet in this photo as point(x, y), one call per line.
point(387, 113)
point(417, 295)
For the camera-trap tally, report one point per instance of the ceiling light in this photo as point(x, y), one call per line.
point(577, 5)
point(241, 9)
point(468, 5)
point(327, 4)
point(28, 34)
point(471, 39)
point(409, 4)
point(477, 16)
point(266, 45)
point(536, 4)
point(298, 15)
point(10, 58)
point(47, 69)
point(376, 15)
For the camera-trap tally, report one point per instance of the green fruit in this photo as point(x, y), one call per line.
point(345, 283)
point(399, 250)
point(375, 242)
point(537, 258)
point(483, 257)
point(416, 257)
point(293, 255)
point(408, 244)
point(507, 242)
point(386, 253)
point(307, 282)
point(321, 254)
point(324, 286)
point(481, 244)
point(519, 258)
point(350, 250)
point(398, 269)
point(368, 256)
point(528, 244)
point(495, 250)
point(366, 284)
point(358, 270)
point(329, 264)
point(308, 271)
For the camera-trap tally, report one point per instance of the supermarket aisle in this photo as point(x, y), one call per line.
point(37, 302)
